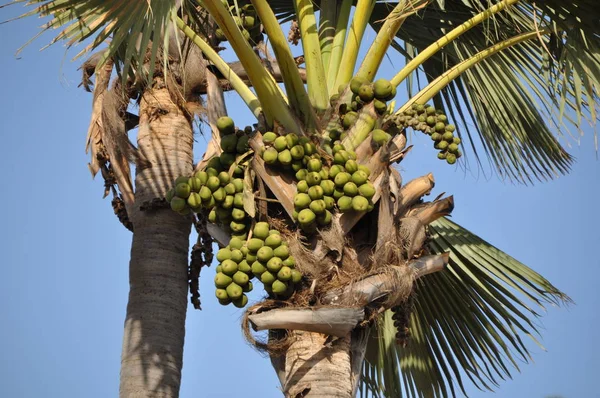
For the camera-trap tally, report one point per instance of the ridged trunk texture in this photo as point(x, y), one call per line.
point(316, 367)
point(152, 354)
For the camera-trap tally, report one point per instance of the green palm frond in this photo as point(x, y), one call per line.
point(133, 31)
point(518, 99)
point(468, 320)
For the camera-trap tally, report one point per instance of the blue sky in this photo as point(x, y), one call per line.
point(64, 255)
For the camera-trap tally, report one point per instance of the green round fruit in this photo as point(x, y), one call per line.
point(202, 176)
point(282, 252)
point(450, 127)
point(296, 276)
point(360, 203)
point(258, 268)
point(452, 148)
point(341, 157)
point(291, 140)
point(436, 137)
point(314, 165)
point(269, 137)
point(238, 200)
point(274, 264)
point(229, 189)
point(219, 195)
point(243, 266)
point(442, 145)
point(264, 254)
point(280, 143)
point(181, 180)
point(284, 274)
point(440, 126)
point(223, 254)
point(241, 278)
point(289, 262)
point(367, 190)
point(234, 291)
point(318, 206)
point(297, 165)
point(238, 214)
point(240, 302)
point(382, 89)
point(315, 192)
point(229, 143)
point(335, 170)
point(350, 189)
point(451, 158)
point(380, 106)
point(313, 178)
point(236, 243)
point(212, 216)
point(267, 278)
point(364, 169)
point(227, 202)
point(212, 172)
point(297, 152)
point(183, 190)
point(349, 119)
point(170, 195)
point(261, 230)
point(344, 203)
point(328, 186)
point(238, 185)
point(224, 178)
point(225, 125)
point(270, 156)
point(430, 110)
point(329, 202)
point(302, 186)
point(448, 136)
point(242, 144)
point(365, 92)
point(359, 177)
point(301, 174)
point(221, 294)
point(195, 184)
point(273, 241)
point(341, 179)
point(222, 280)
point(338, 193)
point(351, 166)
point(456, 140)
point(229, 267)
point(381, 137)
point(306, 217)
point(237, 227)
point(227, 159)
point(255, 244)
point(356, 83)
point(213, 183)
point(442, 155)
point(178, 204)
point(236, 255)
point(324, 218)
point(279, 287)
point(285, 157)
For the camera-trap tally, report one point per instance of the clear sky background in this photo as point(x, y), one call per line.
point(64, 255)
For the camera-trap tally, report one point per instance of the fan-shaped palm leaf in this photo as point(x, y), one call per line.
point(467, 321)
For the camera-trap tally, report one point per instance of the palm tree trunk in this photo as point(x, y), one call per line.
point(152, 354)
point(318, 366)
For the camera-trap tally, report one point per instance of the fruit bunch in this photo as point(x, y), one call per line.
point(246, 19)
point(364, 92)
point(271, 262)
point(234, 142)
point(320, 188)
point(289, 151)
point(434, 123)
point(233, 274)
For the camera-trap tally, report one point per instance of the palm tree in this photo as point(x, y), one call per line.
point(386, 293)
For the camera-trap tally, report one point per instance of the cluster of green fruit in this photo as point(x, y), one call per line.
point(289, 152)
point(265, 256)
point(246, 19)
point(364, 92)
point(320, 188)
point(234, 141)
point(215, 191)
point(434, 123)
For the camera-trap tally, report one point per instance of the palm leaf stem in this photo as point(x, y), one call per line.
point(315, 73)
point(337, 48)
point(437, 85)
point(443, 41)
point(327, 19)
